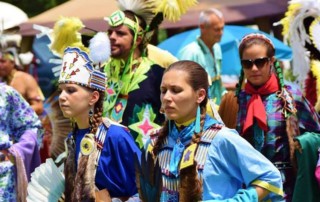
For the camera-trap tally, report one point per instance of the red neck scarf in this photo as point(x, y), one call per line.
point(255, 107)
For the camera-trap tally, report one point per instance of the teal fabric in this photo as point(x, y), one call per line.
point(181, 138)
point(198, 52)
point(306, 188)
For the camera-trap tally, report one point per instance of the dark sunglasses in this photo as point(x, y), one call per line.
point(259, 62)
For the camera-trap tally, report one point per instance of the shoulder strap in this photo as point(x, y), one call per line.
point(101, 135)
point(199, 153)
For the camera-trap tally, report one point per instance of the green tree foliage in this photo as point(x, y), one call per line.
point(34, 7)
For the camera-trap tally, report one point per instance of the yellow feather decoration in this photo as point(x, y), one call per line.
point(315, 69)
point(173, 9)
point(66, 33)
point(314, 32)
point(186, 4)
point(293, 8)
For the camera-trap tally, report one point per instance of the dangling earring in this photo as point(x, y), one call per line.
point(197, 124)
point(90, 116)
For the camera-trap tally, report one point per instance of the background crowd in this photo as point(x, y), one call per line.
point(141, 124)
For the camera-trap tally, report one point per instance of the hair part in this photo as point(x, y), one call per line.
point(197, 76)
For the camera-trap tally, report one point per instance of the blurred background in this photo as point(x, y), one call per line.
point(24, 15)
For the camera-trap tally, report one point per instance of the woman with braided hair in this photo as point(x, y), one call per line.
point(100, 153)
point(271, 114)
point(200, 159)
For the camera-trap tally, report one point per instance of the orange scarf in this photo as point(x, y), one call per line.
point(255, 107)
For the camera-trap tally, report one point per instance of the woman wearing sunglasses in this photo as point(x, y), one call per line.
point(271, 114)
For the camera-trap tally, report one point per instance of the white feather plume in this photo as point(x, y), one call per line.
point(143, 8)
point(100, 49)
point(298, 36)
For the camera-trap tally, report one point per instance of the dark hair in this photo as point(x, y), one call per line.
point(97, 113)
point(96, 118)
point(72, 190)
point(142, 24)
point(197, 76)
point(248, 41)
point(190, 184)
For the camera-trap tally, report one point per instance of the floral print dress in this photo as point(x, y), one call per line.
point(16, 117)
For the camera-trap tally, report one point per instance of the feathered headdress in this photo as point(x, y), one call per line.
point(9, 45)
point(153, 12)
point(301, 27)
point(66, 33)
point(148, 9)
point(80, 64)
point(67, 29)
point(298, 35)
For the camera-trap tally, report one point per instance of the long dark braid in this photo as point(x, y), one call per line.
point(97, 113)
point(286, 97)
point(239, 85)
point(81, 190)
point(163, 133)
point(190, 185)
point(289, 110)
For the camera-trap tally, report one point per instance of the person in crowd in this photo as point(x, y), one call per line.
point(23, 82)
point(199, 158)
point(133, 85)
point(272, 116)
point(206, 50)
point(134, 77)
point(100, 152)
point(20, 138)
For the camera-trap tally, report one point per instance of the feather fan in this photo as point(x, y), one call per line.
point(61, 126)
point(47, 183)
point(148, 177)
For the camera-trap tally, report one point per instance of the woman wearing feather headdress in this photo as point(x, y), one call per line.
point(100, 153)
point(199, 158)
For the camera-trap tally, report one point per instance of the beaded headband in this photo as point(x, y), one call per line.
point(256, 36)
point(6, 56)
point(77, 67)
point(118, 18)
